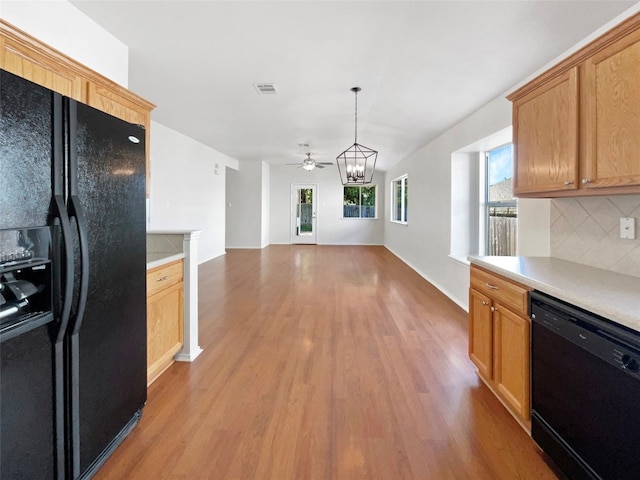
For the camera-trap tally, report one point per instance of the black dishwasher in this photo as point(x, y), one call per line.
point(585, 382)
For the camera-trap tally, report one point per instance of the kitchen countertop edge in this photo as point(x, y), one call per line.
point(158, 259)
point(611, 295)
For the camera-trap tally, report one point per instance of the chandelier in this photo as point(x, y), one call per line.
point(357, 163)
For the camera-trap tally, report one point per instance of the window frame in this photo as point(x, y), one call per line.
point(375, 205)
point(403, 183)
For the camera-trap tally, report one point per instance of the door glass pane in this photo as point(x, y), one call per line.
point(305, 211)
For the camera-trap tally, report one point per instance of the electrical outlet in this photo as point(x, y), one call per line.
point(628, 228)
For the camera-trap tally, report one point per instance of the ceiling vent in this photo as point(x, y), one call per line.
point(303, 145)
point(266, 88)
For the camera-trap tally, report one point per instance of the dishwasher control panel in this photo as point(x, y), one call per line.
point(609, 342)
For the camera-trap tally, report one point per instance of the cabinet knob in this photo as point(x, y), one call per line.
point(485, 303)
point(585, 181)
point(568, 182)
point(494, 309)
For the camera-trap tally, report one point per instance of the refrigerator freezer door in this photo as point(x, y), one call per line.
point(31, 374)
point(108, 342)
point(26, 136)
point(28, 428)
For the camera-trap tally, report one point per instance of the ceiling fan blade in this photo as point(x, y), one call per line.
point(319, 166)
point(324, 163)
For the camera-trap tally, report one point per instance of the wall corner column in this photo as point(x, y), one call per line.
point(190, 349)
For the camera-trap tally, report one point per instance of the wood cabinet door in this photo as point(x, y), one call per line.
point(612, 115)
point(545, 134)
point(481, 333)
point(512, 359)
point(164, 329)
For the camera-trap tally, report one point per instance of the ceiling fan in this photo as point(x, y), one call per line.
point(309, 163)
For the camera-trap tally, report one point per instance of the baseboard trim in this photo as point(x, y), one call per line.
point(453, 298)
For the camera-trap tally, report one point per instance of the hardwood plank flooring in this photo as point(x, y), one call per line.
point(324, 362)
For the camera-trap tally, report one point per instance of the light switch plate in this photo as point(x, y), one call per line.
point(628, 228)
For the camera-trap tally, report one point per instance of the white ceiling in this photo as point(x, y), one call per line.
point(422, 66)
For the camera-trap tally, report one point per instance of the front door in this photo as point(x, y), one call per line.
point(303, 214)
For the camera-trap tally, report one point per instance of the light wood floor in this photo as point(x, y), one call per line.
point(324, 362)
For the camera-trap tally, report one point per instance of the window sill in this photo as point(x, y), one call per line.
point(359, 218)
point(461, 260)
point(398, 222)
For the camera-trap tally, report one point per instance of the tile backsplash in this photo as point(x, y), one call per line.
point(587, 230)
point(164, 243)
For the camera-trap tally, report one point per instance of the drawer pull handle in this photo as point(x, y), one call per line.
point(162, 279)
point(492, 287)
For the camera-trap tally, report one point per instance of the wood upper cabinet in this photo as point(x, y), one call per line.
point(576, 128)
point(612, 115)
point(499, 339)
point(546, 132)
point(39, 66)
point(27, 57)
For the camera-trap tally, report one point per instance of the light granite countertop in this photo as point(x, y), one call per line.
point(609, 294)
point(155, 259)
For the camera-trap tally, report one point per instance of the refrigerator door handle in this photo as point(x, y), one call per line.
point(60, 212)
point(75, 211)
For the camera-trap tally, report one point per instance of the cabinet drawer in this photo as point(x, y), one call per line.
point(163, 277)
point(500, 289)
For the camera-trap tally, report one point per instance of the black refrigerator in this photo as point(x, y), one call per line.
point(72, 283)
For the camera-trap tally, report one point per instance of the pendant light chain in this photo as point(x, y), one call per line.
point(356, 134)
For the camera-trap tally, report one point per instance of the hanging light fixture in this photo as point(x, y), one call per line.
point(308, 163)
point(357, 163)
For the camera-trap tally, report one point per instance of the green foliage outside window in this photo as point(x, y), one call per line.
point(359, 202)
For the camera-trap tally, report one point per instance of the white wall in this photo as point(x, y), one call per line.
point(266, 194)
point(62, 26)
point(332, 229)
point(425, 242)
point(244, 207)
point(186, 193)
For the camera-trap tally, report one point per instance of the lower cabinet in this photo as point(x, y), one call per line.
point(500, 340)
point(165, 326)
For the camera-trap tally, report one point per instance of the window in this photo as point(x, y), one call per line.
point(399, 199)
point(359, 202)
point(500, 207)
